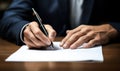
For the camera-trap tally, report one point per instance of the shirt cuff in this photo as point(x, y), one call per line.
point(21, 33)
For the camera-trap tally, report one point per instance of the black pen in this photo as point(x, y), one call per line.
point(41, 25)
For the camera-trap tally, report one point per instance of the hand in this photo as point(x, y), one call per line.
point(91, 35)
point(34, 37)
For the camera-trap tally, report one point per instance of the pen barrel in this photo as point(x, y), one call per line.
point(39, 21)
point(42, 28)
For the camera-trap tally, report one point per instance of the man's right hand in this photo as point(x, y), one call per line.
point(34, 37)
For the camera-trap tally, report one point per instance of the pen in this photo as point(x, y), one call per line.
point(41, 25)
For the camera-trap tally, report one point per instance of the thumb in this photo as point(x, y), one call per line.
point(51, 32)
point(52, 35)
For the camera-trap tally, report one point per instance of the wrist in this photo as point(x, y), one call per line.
point(111, 32)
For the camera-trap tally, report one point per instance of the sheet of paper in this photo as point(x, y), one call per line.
point(24, 54)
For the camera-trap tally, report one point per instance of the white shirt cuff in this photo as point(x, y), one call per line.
point(21, 33)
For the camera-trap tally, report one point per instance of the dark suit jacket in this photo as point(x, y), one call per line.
point(57, 14)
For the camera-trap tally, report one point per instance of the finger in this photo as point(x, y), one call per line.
point(83, 39)
point(82, 29)
point(75, 36)
point(71, 40)
point(77, 43)
point(39, 34)
point(29, 43)
point(33, 45)
point(76, 29)
point(69, 34)
point(91, 43)
point(51, 32)
point(28, 35)
point(65, 39)
point(68, 31)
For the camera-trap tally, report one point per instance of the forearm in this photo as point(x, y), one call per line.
point(11, 31)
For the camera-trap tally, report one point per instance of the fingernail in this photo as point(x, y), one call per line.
point(65, 46)
point(72, 46)
point(85, 45)
point(62, 43)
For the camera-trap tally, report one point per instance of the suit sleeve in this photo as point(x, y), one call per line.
point(15, 17)
point(114, 14)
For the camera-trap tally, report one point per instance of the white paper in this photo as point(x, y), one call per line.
point(24, 54)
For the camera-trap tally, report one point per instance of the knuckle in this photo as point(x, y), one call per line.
point(54, 32)
point(83, 25)
point(71, 32)
point(97, 39)
point(93, 32)
point(30, 24)
point(87, 29)
point(36, 32)
point(75, 36)
point(26, 32)
point(69, 41)
point(88, 36)
point(32, 38)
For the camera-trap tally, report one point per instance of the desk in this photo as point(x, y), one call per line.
point(111, 62)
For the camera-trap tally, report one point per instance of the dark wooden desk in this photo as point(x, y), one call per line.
point(111, 61)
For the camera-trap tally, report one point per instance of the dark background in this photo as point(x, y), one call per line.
point(4, 4)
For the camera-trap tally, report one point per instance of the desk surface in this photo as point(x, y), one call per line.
point(111, 62)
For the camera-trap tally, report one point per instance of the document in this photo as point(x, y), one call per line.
point(24, 54)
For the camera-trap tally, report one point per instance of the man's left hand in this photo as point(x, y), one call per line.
point(91, 35)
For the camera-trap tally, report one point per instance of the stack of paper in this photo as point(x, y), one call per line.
point(24, 54)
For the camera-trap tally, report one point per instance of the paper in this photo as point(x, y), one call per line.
point(24, 54)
